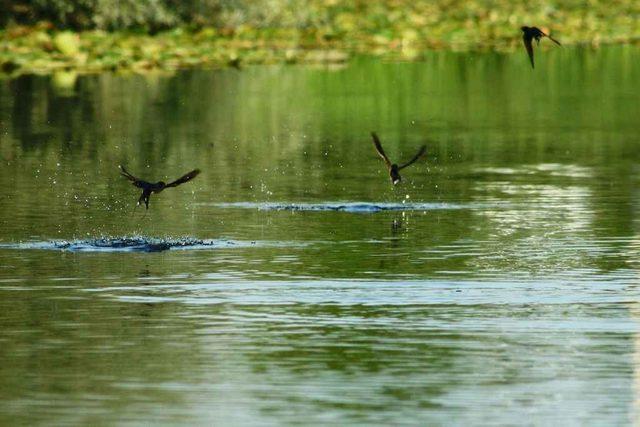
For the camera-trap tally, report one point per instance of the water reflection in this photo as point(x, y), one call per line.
point(499, 279)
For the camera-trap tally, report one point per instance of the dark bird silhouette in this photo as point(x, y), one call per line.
point(155, 187)
point(394, 169)
point(235, 62)
point(531, 33)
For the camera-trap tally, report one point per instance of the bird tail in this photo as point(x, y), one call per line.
point(144, 198)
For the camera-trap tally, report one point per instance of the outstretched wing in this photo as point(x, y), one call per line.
point(185, 178)
point(415, 158)
point(136, 181)
point(553, 40)
point(527, 44)
point(378, 145)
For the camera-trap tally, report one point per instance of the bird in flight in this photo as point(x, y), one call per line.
point(394, 169)
point(155, 187)
point(531, 33)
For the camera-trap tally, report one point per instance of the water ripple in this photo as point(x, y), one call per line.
point(136, 244)
point(617, 288)
point(352, 207)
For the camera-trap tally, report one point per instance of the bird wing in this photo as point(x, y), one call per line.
point(527, 44)
point(136, 181)
point(415, 158)
point(553, 40)
point(378, 145)
point(185, 178)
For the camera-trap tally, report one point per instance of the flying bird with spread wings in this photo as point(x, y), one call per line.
point(155, 187)
point(534, 33)
point(394, 169)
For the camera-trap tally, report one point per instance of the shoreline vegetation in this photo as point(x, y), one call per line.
point(329, 31)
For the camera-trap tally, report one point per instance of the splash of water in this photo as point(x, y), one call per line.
point(353, 207)
point(136, 244)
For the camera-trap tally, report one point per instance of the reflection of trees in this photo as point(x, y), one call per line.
point(77, 347)
point(377, 344)
point(299, 133)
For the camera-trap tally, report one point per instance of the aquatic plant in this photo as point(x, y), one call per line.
point(168, 34)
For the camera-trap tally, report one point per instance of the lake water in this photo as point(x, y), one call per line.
point(291, 283)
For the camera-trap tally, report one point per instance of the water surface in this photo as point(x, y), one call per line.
point(290, 282)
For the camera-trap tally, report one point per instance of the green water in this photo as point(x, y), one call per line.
point(498, 283)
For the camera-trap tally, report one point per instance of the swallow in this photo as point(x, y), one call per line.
point(394, 169)
point(531, 33)
point(155, 187)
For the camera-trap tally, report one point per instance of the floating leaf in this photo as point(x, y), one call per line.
point(67, 43)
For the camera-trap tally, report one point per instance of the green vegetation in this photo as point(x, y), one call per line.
point(50, 35)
